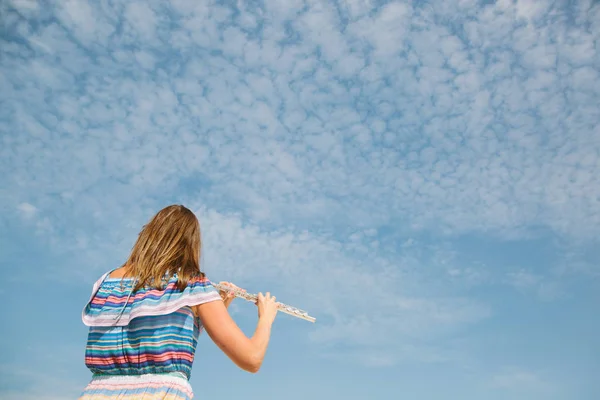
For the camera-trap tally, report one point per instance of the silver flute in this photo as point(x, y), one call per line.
point(293, 311)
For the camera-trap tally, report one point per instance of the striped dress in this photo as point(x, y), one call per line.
point(141, 345)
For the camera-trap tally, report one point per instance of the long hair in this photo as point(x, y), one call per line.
point(169, 244)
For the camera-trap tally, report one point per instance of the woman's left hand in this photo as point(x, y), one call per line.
point(226, 295)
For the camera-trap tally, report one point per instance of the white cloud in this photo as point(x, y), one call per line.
point(519, 379)
point(545, 288)
point(361, 300)
point(25, 5)
point(293, 134)
point(27, 210)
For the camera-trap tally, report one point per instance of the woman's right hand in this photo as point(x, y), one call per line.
point(267, 307)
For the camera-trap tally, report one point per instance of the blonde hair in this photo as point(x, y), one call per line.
point(169, 244)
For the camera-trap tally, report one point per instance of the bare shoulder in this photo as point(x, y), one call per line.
point(118, 273)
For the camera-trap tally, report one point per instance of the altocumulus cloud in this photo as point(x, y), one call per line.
point(319, 142)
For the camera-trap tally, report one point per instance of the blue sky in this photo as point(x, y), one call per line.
point(422, 177)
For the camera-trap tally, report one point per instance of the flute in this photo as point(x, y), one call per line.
point(293, 311)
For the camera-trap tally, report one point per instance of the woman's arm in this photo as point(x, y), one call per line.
point(246, 353)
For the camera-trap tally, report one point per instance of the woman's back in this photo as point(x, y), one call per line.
point(150, 331)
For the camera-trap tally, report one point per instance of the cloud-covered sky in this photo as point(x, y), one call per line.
point(422, 177)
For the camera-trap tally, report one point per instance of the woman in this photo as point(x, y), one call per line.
point(145, 317)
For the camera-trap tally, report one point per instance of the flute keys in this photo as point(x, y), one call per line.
point(282, 307)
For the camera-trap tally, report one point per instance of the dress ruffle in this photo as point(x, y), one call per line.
point(113, 304)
